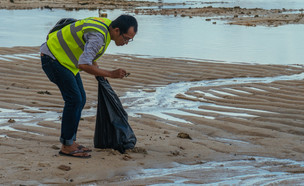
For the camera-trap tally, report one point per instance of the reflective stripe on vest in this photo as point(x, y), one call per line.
point(75, 45)
point(74, 31)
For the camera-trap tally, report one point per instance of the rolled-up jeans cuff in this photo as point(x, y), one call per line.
point(67, 142)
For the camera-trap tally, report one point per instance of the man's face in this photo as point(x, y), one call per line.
point(124, 39)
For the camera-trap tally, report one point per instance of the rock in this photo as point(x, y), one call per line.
point(44, 92)
point(83, 3)
point(11, 120)
point(44, 164)
point(175, 153)
point(64, 167)
point(55, 147)
point(184, 135)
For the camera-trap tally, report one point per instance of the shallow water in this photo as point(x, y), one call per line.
point(178, 37)
point(250, 171)
point(163, 100)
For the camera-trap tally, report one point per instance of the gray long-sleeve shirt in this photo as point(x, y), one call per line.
point(94, 41)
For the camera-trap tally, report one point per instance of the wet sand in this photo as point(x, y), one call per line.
point(234, 126)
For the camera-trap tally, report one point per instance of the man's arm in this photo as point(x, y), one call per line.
point(94, 41)
point(94, 70)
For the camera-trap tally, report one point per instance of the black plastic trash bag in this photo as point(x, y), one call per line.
point(112, 129)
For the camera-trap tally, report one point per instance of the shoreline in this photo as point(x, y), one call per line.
point(232, 15)
point(77, 5)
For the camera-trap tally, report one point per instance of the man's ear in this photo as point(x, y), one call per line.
point(117, 31)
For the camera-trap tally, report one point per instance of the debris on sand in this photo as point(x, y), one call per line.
point(64, 167)
point(11, 120)
point(184, 135)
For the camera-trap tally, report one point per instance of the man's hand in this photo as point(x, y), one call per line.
point(118, 73)
point(94, 70)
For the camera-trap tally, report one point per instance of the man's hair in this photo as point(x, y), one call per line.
point(124, 22)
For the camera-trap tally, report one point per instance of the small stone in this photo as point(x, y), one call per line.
point(11, 120)
point(184, 135)
point(44, 164)
point(175, 153)
point(64, 167)
point(55, 147)
point(44, 92)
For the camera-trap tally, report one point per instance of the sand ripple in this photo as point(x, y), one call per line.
point(231, 111)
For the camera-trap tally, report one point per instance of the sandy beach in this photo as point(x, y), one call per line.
point(269, 124)
point(196, 121)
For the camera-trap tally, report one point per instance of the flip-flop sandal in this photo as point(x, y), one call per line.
point(81, 147)
point(72, 154)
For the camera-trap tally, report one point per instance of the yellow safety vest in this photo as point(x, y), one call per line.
point(67, 44)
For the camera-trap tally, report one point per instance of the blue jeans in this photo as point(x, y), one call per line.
point(73, 94)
